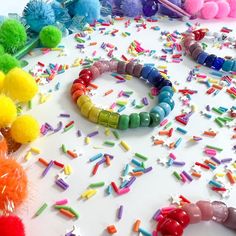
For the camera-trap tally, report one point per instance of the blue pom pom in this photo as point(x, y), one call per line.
point(90, 9)
point(132, 8)
point(38, 14)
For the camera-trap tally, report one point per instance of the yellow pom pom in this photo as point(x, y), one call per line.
point(20, 85)
point(2, 77)
point(7, 111)
point(25, 129)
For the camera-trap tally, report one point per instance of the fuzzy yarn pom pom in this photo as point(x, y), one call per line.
point(8, 111)
point(13, 185)
point(232, 4)
point(132, 8)
point(38, 14)
point(3, 146)
point(193, 6)
point(209, 10)
point(2, 78)
point(12, 35)
point(50, 36)
point(2, 50)
point(25, 129)
point(11, 226)
point(20, 85)
point(7, 62)
point(224, 9)
point(90, 9)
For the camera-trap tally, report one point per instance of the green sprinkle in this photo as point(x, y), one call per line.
point(228, 119)
point(109, 143)
point(41, 209)
point(68, 128)
point(168, 125)
point(215, 148)
point(121, 103)
point(217, 110)
point(30, 104)
point(96, 185)
point(116, 134)
point(219, 122)
point(177, 176)
point(70, 209)
point(142, 157)
point(139, 106)
point(63, 148)
point(150, 95)
point(232, 96)
point(80, 40)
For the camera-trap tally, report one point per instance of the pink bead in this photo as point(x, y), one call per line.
point(224, 9)
point(209, 10)
point(188, 43)
point(101, 67)
point(232, 4)
point(113, 65)
point(95, 72)
point(106, 66)
point(193, 212)
point(193, 6)
point(220, 211)
point(206, 210)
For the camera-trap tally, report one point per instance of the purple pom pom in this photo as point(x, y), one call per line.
point(132, 8)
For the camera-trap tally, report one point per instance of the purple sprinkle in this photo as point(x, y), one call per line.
point(126, 95)
point(178, 163)
point(120, 212)
point(110, 156)
point(226, 160)
point(208, 108)
point(187, 176)
point(102, 28)
point(145, 101)
point(157, 213)
point(120, 81)
point(47, 168)
point(59, 127)
point(101, 161)
point(130, 182)
point(216, 160)
point(147, 170)
point(92, 134)
point(43, 130)
point(79, 133)
point(61, 183)
point(64, 115)
point(49, 127)
point(79, 46)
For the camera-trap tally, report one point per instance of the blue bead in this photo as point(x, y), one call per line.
point(163, 95)
point(158, 80)
point(167, 88)
point(210, 60)
point(153, 75)
point(146, 70)
point(234, 67)
point(202, 58)
point(170, 101)
point(159, 110)
point(218, 63)
point(166, 82)
point(166, 107)
point(228, 65)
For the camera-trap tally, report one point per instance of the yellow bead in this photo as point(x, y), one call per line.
point(82, 99)
point(94, 114)
point(86, 108)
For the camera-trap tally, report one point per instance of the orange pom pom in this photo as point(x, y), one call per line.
point(13, 185)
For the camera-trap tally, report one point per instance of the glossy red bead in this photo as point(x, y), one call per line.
point(79, 81)
point(180, 216)
point(86, 78)
point(170, 227)
point(86, 72)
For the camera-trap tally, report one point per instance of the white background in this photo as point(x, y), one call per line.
point(149, 192)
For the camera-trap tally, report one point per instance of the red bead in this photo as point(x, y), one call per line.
point(180, 216)
point(79, 81)
point(200, 34)
point(85, 72)
point(171, 227)
point(86, 78)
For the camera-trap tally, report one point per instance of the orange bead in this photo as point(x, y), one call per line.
point(77, 86)
point(77, 94)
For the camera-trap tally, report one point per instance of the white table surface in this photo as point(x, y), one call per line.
point(150, 191)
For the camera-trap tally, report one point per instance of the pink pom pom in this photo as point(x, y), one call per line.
point(193, 6)
point(209, 10)
point(232, 4)
point(224, 9)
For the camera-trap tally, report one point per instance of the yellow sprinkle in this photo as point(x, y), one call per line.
point(124, 35)
point(107, 132)
point(220, 174)
point(134, 54)
point(56, 49)
point(234, 165)
point(164, 76)
point(125, 145)
point(92, 193)
point(87, 140)
point(214, 81)
point(35, 150)
point(85, 193)
point(28, 156)
point(175, 89)
point(162, 67)
point(43, 98)
point(68, 170)
point(194, 108)
point(128, 77)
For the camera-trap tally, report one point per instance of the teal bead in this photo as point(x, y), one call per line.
point(166, 107)
point(170, 101)
point(163, 95)
point(155, 119)
point(144, 119)
point(234, 67)
point(228, 65)
point(159, 110)
point(134, 120)
point(168, 89)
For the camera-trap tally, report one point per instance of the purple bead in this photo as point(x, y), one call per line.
point(220, 211)
point(193, 47)
point(130, 68)
point(150, 8)
point(137, 70)
point(196, 53)
point(168, 12)
point(231, 220)
point(121, 67)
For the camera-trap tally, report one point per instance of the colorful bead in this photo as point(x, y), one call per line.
point(202, 58)
point(137, 70)
point(86, 78)
point(230, 222)
point(134, 120)
point(82, 99)
point(167, 88)
point(193, 47)
point(121, 68)
point(164, 83)
point(104, 117)
point(86, 107)
point(159, 110)
point(123, 122)
point(166, 107)
point(210, 60)
point(145, 71)
point(77, 94)
point(206, 210)
point(155, 119)
point(193, 212)
point(218, 63)
point(170, 227)
point(196, 53)
point(95, 72)
point(113, 65)
point(154, 73)
point(234, 67)
point(144, 119)
point(85, 72)
point(113, 120)
point(77, 86)
point(228, 65)
point(94, 114)
point(170, 101)
point(180, 216)
point(163, 95)
point(130, 68)
point(220, 211)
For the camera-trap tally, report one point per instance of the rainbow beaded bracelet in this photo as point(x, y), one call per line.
point(174, 221)
point(114, 119)
point(200, 56)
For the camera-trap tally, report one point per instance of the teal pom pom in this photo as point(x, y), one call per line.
point(90, 9)
point(12, 35)
point(38, 14)
point(2, 51)
point(8, 62)
point(50, 36)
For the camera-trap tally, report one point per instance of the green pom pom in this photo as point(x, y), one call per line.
point(12, 36)
point(50, 36)
point(2, 51)
point(8, 62)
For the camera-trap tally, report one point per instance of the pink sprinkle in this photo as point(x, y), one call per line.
point(171, 155)
point(164, 122)
point(154, 91)
point(183, 178)
point(123, 191)
point(210, 152)
point(62, 202)
point(112, 105)
point(120, 94)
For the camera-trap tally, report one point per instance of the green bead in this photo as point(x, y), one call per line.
point(134, 120)
point(155, 119)
point(104, 117)
point(144, 119)
point(123, 122)
point(113, 120)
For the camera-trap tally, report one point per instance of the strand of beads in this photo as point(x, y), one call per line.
point(196, 51)
point(175, 221)
point(114, 119)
